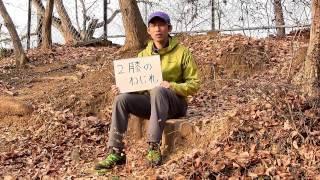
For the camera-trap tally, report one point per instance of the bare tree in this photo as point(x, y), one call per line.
point(279, 17)
point(47, 40)
point(70, 34)
point(135, 29)
point(20, 55)
point(213, 27)
point(39, 28)
point(77, 15)
point(56, 22)
point(311, 70)
point(187, 14)
point(84, 15)
point(65, 26)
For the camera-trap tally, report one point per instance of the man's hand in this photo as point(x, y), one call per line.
point(165, 84)
point(115, 90)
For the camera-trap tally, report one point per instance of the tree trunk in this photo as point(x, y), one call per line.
point(29, 24)
point(21, 57)
point(39, 28)
point(46, 31)
point(70, 34)
point(311, 69)
point(135, 29)
point(84, 15)
point(213, 26)
point(279, 18)
point(40, 14)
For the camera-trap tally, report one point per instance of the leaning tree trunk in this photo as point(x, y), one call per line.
point(309, 75)
point(135, 29)
point(46, 31)
point(70, 34)
point(39, 28)
point(279, 18)
point(21, 57)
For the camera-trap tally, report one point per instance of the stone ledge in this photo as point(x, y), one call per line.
point(12, 107)
point(174, 130)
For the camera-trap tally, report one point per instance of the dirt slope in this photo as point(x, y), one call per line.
point(250, 120)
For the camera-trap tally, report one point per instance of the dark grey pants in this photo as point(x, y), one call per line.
point(160, 105)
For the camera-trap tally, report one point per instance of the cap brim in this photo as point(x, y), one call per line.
point(153, 17)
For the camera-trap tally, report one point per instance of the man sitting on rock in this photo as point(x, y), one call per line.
point(180, 74)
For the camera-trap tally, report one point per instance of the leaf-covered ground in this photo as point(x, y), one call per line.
point(250, 120)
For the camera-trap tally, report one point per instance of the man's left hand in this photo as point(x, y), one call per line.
point(165, 84)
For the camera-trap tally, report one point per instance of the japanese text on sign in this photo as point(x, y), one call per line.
point(137, 74)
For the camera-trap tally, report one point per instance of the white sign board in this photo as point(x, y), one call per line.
point(137, 74)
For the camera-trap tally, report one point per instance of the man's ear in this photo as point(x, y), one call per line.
point(170, 28)
point(148, 30)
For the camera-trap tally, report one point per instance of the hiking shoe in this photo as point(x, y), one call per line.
point(154, 157)
point(112, 160)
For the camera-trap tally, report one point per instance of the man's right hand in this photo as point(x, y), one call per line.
point(115, 90)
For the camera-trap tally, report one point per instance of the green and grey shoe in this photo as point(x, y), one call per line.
point(154, 155)
point(112, 160)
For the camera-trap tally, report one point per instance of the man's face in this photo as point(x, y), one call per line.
point(159, 30)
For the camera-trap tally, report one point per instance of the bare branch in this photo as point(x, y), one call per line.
point(115, 13)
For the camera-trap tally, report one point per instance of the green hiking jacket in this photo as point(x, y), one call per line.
point(178, 67)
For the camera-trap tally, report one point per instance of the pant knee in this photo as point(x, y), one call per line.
point(121, 99)
point(158, 91)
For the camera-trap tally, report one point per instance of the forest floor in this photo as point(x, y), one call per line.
point(250, 120)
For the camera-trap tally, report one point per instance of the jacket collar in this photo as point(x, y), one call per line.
point(172, 43)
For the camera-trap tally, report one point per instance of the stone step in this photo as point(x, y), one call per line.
point(174, 130)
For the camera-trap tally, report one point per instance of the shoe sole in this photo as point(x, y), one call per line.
point(102, 172)
point(106, 170)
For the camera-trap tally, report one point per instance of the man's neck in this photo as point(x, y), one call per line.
point(160, 45)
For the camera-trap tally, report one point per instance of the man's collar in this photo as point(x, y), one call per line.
point(156, 50)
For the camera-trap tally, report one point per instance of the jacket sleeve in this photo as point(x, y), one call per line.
point(142, 54)
point(190, 76)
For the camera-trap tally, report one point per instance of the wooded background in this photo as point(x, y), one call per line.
point(86, 18)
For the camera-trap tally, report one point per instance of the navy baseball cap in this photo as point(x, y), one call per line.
point(162, 15)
